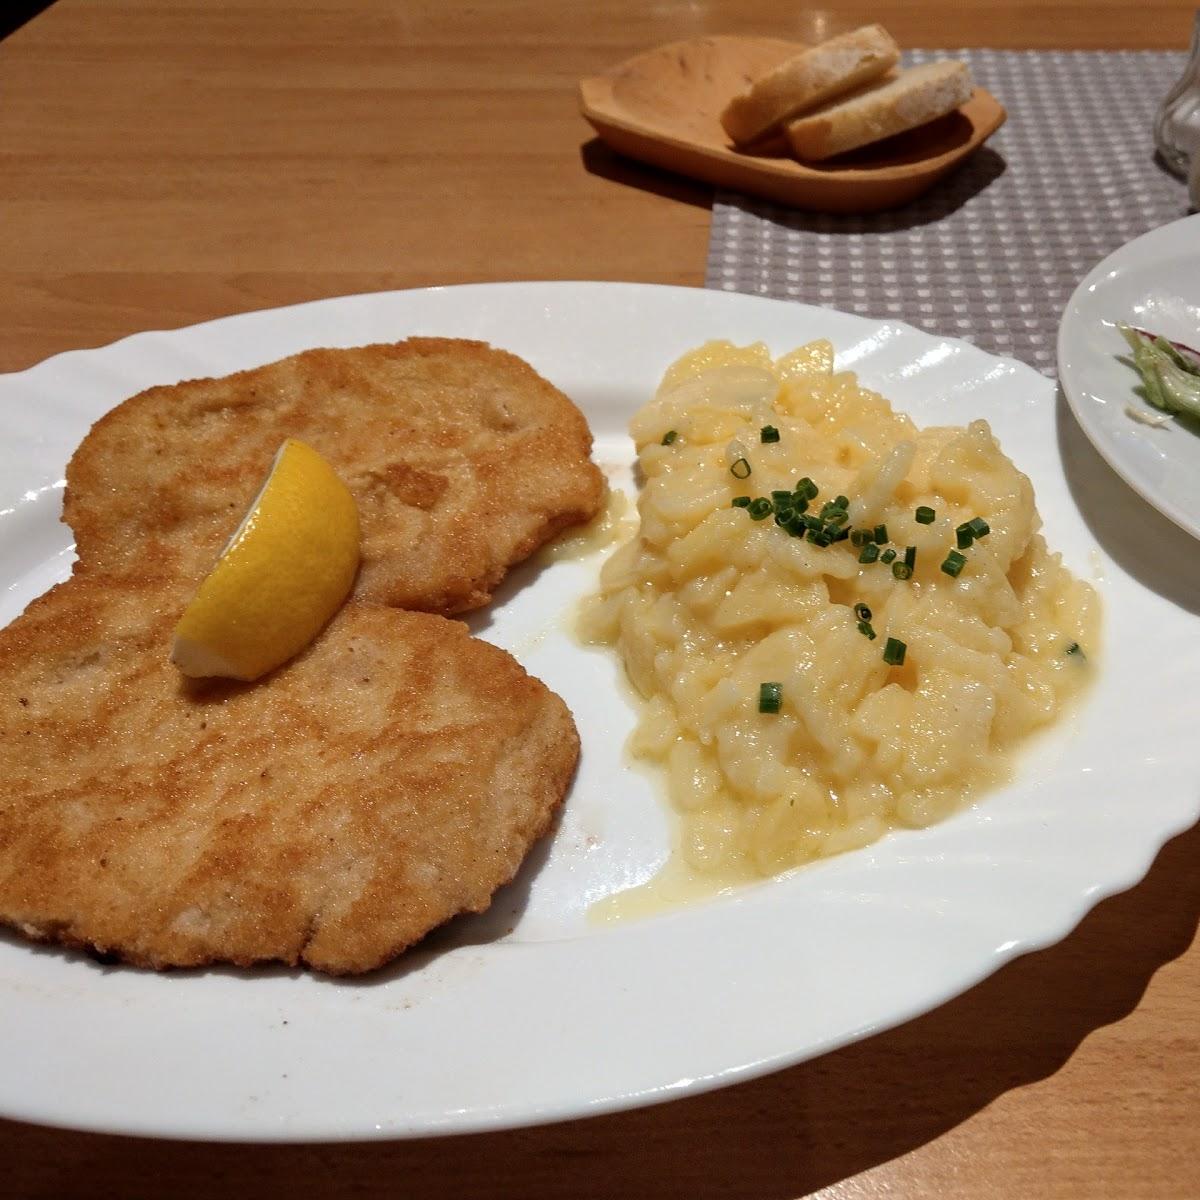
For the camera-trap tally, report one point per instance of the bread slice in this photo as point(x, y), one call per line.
point(810, 78)
point(881, 109)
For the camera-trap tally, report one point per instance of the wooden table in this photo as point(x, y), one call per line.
point(164, 162)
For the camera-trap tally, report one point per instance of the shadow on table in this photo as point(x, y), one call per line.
point(946, 196)
point(780, 1136)
point(15, 13)
point(599, 160)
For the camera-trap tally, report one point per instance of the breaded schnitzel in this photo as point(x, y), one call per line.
point(462, 459)
point(392, 775)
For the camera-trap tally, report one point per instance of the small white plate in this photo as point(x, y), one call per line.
point(1152, 282)
point(531, 1013)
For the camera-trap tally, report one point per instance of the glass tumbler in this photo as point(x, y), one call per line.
point(1177, 126)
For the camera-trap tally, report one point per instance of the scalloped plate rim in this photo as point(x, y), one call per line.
point(161, 1010)
point(1091, 376)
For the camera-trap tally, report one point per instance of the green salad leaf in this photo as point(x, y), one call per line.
point(1170, 377)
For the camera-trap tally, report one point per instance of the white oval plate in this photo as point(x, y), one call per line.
point(1152, 282)
point(530, 1013)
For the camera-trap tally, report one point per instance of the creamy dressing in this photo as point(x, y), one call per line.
point(614, 522)
point(676, 885)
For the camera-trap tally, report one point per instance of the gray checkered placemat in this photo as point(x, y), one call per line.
point(993, 252)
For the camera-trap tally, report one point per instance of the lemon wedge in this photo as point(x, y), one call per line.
point(286, 570)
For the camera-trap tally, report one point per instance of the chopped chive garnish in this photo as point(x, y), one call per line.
point(799, 502)
point(809, 488)
point(881, 536)
point(740, 469)
point(669, 437)
point(768, 433)
point(841, 535)
point(888, 555)
point(770, 697)
point(979, 527)
point(910, 557)
point(901, 570)
point(964, 536)
point(925, 515)
point(839, 517)
point(860, 537)
point(740, 502)
point(870, 552)
point(864, 627)
point(779, 494)
point(842, 501)
point(954, 563)
point(828, 509)
point(893, 652)
point(819, 537)
point(812, 522)
point(862, 612)
point(796, 526)
point(760, 508)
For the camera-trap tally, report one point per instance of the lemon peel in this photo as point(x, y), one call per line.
point(286, 570)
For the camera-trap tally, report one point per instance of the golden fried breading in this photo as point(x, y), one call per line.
point(463, 461)
point(332, 813)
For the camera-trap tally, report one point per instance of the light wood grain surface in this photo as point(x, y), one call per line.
point(165, 162)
